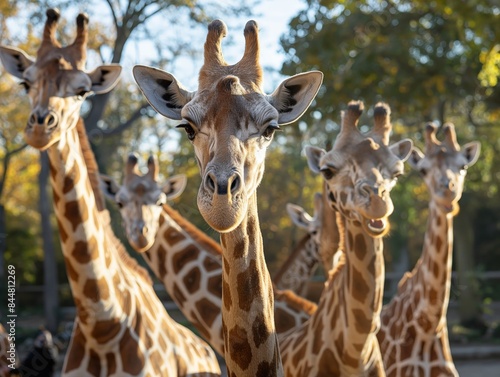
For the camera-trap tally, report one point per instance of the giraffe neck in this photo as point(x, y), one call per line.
point(339, 338)
point(299, 267)
point(251, 344)
point(363, 287)
point(88, 262)
point(432, 273)
point(417, 313)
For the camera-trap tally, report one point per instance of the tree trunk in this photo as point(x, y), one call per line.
point(50, 283)
point(469, 299)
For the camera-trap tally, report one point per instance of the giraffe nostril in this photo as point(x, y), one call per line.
point(32, 120)
point(50, 121)
point(210, 183)
point(235, 183)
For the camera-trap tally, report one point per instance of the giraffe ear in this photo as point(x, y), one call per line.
point(175, 186)
point(162, 90)
point(402, 149)
point(108, 186)
point(471, 152)
point(415, 157)
point(299, 217)
point(314, 156)
point(294, 95)
point(105, 77)
point(15, 60)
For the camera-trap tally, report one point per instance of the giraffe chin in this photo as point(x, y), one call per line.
point(222, 214)
point(40, 143)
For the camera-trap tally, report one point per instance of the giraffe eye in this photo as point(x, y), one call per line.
point(191, 133)
point(328, 173)
point(269, 131)
point(423, 171)
point(81, 93)
point(119, 204)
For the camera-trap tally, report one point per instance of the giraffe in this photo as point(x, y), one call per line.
point(186, 260)
point(230, 122)
point(297, 270)
point(360, 171)
point(121, 327)
point(413, 336)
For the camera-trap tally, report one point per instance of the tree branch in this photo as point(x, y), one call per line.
point(122, 127)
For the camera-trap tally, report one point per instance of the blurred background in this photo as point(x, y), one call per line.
point(429, 60)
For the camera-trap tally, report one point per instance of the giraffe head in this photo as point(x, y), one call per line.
point(444, 165)
point(303, 220)
point(55, 81)
point(141, 199)
point(361, 169)
point(229, 120)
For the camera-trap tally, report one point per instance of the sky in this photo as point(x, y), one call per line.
point(272, 16)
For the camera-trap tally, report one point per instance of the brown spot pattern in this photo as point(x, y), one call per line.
point(162, 255)
point(214, 285)
point(239, 348)
point(249, 286)
point(106, 330)
point(360, 288)
point(359, 246)
point(173, 237)
point(328, 365)
point(240, 248)
point(192, 280)
point(96, 290)
point(111, 362)
point(226, 296)
point(189, 254)
point(261, 330)
point(76, 212)
point(94, 366)
point(209, 264)
point(76, 351)
point(209, 309)
point(132, 358)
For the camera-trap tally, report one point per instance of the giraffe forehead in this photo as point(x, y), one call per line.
point(242, 112)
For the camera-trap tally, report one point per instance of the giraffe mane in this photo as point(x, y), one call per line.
point(91, 163)
point(296, 251)
point(295, 301)
point(193, 231)
point(93, 174)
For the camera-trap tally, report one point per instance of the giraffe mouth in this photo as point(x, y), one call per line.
point(377, 226)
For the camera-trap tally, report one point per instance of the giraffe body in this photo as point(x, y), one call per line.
point(121, 327)
point(414, 334)
point(230, 122)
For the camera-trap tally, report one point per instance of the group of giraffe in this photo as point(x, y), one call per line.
point(121, 327)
